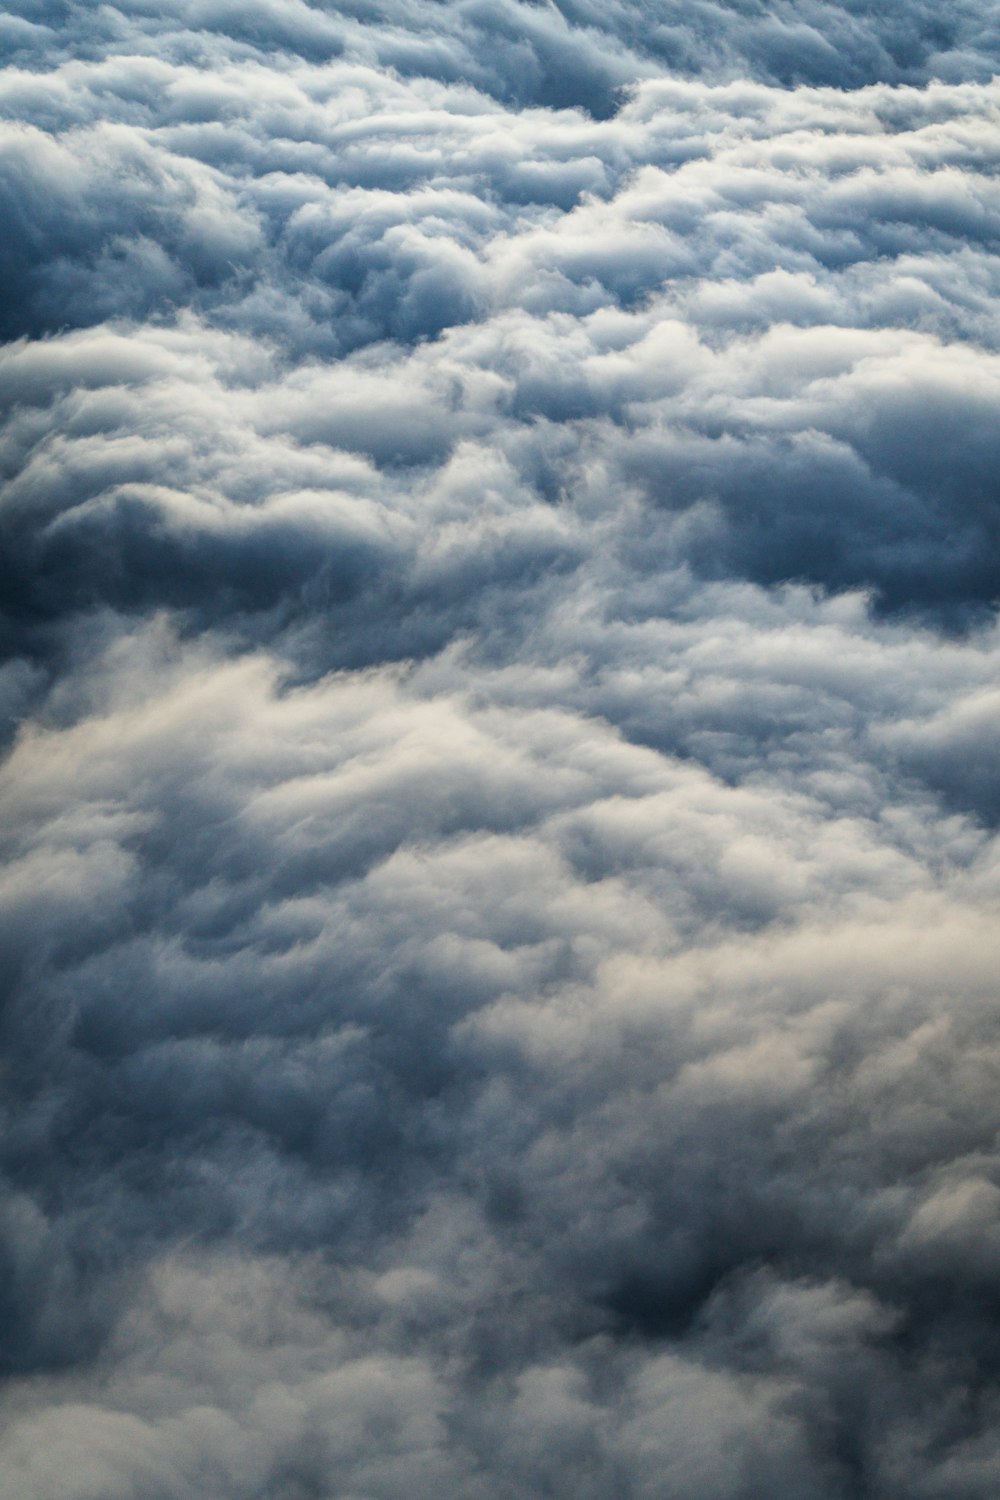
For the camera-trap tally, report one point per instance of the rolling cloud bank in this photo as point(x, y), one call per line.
point(500, 713)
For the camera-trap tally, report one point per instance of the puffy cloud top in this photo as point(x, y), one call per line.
point(499, 799)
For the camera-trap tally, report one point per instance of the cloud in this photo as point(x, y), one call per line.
point(498, 695)
point(777, 339)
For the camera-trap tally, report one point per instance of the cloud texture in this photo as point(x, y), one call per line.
point(500, 799)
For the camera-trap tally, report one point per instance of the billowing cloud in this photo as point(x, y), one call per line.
point(499, 802)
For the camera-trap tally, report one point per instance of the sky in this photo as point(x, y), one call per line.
point(499, 709)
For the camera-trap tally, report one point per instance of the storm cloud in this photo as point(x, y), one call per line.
point(500, 798)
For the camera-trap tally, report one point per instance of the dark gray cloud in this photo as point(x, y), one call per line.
point(499, 807)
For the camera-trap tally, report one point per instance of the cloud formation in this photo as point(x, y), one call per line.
point(500, 798)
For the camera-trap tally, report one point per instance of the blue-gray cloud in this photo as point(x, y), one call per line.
point(499, 807)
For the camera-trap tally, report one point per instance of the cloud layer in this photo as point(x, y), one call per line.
point(500, 796)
